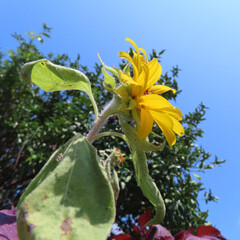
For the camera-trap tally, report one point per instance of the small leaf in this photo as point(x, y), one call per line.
point(196, 176)
point(46, 35)
point(71, 198)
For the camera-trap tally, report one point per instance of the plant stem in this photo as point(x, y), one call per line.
point(98, 124)
point(104, 134)
point(95, 108)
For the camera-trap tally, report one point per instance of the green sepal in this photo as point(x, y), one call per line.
point(123, 92)
point(108, 79)
point(70, 199)
point(110, 69)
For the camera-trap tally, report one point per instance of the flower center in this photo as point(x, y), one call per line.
point(147, 92)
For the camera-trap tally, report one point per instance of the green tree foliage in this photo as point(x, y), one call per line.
point(33, 124)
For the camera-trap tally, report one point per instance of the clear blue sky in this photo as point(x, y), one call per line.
point(202, 37)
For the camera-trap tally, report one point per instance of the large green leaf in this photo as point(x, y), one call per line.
point(51, 77)
point(146, 183)
point(71, 197)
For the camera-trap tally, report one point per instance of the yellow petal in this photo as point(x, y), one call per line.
point(128, 80)
point(136, 88)
point(144, 53)
point(170, 136)
point(134, 44)
point(155, 71)
point(153, 101)
point(146, 123)
point(163, 117)
point(177, 127)
point(166, 124)
point(173, 112)
point(137, 61)
point(159, 89)
point(143, 78)
point(137, 57)
point(127, 56)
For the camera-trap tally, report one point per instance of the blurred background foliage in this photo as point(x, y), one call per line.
point(33, 124)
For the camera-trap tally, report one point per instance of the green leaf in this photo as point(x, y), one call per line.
point(71, 198)
point(197, 176)
point(133, 139)
point(51, 77)
point(146, 183)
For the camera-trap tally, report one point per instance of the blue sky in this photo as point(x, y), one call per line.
point(201, 37)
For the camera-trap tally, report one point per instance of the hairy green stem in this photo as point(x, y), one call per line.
point(95, 108)
point(104, 134)
point(98, 124)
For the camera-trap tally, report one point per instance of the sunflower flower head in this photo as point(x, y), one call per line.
point(145, 103)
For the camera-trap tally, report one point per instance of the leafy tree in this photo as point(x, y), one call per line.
point(33, 124)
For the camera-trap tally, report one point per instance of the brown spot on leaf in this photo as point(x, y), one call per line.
point(59, 157)
point(66, 226)
point(30, 227)
point(45, 197)
point(25, 214)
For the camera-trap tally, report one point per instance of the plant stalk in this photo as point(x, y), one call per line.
point(99, 123)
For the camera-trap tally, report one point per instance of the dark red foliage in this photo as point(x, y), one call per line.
point(158, 232)
point(144, 218)
point(203, 233)
point(140, 230)
point(8, 224)
point(121, 236)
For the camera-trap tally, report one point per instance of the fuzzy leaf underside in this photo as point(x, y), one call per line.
point(71, 197)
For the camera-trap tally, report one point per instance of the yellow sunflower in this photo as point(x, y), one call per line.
point(150, 106)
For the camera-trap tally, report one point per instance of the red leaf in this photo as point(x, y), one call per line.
point(180, 235)
point(203, 233)
point(121, 236)
point(191, 230)
point(207, 230)
point(136, 229)
point(144, 218)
